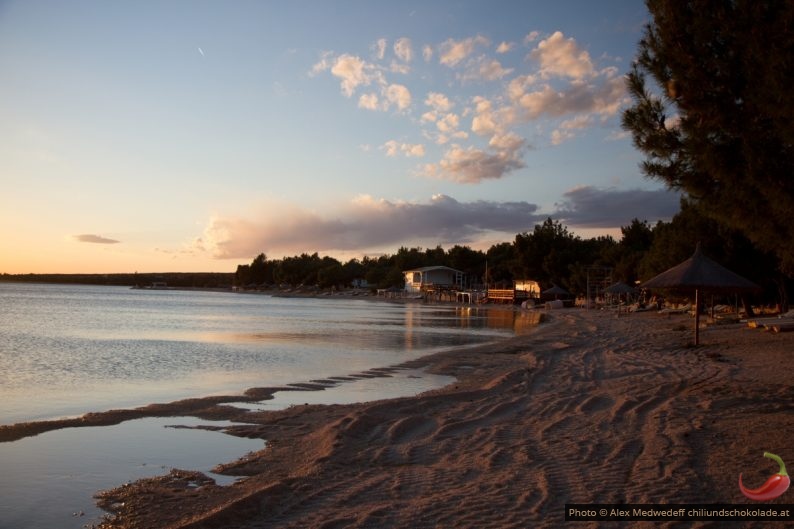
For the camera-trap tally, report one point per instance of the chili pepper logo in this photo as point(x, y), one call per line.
point(776, 485)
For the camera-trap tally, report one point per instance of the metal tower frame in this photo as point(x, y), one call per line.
point(598, 279)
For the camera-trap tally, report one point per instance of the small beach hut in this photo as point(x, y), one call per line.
point(418, 279)
point(698, 274)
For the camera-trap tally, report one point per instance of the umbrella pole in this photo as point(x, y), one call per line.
point(697, 317)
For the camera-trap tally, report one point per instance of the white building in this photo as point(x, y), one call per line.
point(432, 276)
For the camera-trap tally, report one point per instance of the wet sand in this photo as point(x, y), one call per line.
point(586, 408)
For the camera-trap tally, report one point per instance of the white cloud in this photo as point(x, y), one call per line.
point(472, 165)
point(403, 49)
point(565, 131)
point(368, 101)
point(393, 148)
point(353, 73)
point(532, 36)
point(430, 116)
point(561, 93)
point(579, 97)
point(579, 122)
point(484, 69)
point(398, 95)
point(438, 102)
point(483, 123)
point(448, 123)
point(560, 136)
point(519, 85)
point(492, 70)
point(398, 67)
point(379, 49)
point(509, 142)
point(451, 52)
point(322, 65)
point(365, 223)
point(562, 57)
point(427, 52)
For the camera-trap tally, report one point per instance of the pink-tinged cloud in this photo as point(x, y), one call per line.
point(365, 224)
point(561, 57)
point(451, 52)
point(472, 165)
point(94, 239)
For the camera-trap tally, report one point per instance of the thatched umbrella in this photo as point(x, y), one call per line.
point(620, 288)
point(556, 292)
point(700, 273)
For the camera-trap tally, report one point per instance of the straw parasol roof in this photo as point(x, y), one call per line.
point(620, 288)
point(700, 273)
point(556, 291)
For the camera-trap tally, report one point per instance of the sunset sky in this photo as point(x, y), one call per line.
point(193, 135)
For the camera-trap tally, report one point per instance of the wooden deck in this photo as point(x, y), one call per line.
point(507, 295)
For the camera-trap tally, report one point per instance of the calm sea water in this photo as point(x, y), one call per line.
point(66, 350)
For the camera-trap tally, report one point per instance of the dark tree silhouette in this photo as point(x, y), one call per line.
point(719, 123)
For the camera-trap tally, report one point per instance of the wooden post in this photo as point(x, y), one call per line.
point(697, 317)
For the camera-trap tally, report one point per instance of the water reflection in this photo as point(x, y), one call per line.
point(84, 341)
point(48, 480)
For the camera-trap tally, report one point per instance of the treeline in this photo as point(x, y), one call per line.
point(550, 254)
point(172, 279)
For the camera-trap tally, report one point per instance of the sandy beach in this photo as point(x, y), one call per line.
point(585, 408)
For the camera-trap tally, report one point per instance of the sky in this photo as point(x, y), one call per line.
point(168, 135)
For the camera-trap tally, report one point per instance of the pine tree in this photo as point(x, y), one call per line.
point(719, 123)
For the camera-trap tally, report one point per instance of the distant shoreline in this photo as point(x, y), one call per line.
point(172, 279)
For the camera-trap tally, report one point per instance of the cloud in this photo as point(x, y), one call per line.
point(565, 131)
point(95, 239)
point(438, 102)
point(452, 52)
point(427, 52)
point(593, 207)
point(322, 65)
point(368, 101)
point(353, 72)
point(483, 123)
point(403, 49)
point(484, 69)
point(559, 136)
point(562, 57)
point(559, 94)
point(365, 223)
point(379, 48)
point(532, 36)
point(448, 123)
point(472, 165)
point(398, 95)
point(604, 98)
point(393, 148)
